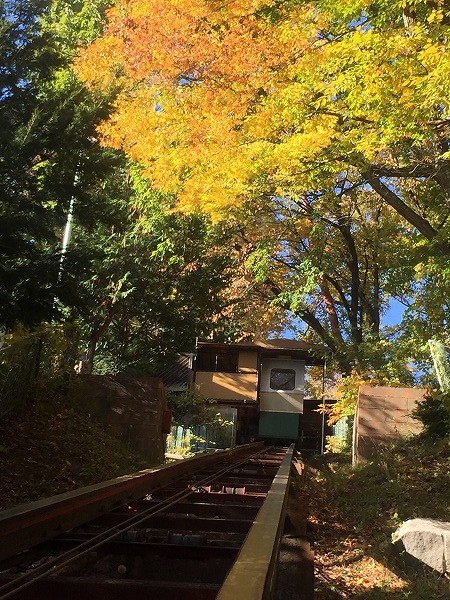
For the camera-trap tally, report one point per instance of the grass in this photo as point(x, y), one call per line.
point(354, 512)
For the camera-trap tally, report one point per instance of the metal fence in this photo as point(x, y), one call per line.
point(218, 434)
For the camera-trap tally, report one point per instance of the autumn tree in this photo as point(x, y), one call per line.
point(216, 98)
point(330, 261)
point(137, 289)
point(270, 105)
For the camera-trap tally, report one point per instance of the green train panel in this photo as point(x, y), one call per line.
point(280, 425)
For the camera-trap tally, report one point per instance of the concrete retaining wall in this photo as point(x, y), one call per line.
point(132, 408)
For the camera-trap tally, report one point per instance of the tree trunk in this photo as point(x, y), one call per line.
point(353, 266)
point(331, 311)
point(97, 333)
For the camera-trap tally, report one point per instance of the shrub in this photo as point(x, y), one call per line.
point(434, 414)
point(189, 408)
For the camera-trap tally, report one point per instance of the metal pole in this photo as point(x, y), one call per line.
point(66, 238)
point(322, 446)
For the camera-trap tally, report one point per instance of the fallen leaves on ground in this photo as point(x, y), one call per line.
point(50, 447)
point(353, 513)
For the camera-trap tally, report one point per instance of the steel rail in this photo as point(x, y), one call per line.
point(26, 525)
point(67, 558)
point(252, 576)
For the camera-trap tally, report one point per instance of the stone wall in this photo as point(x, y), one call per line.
point(133, 409)
point(383, 414)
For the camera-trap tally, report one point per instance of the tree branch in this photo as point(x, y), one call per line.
point(415, 171)
point(421, 224)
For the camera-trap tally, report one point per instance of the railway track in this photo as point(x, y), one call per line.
point(203, 528)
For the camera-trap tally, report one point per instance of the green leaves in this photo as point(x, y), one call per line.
point(260, 261)
point(434, 414)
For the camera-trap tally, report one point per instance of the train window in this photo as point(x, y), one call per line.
point(282, 379)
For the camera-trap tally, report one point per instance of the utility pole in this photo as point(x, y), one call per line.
point(66, 238)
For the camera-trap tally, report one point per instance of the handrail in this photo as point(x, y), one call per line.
point(253, 574)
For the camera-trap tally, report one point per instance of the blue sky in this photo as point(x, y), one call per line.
point(394, 313)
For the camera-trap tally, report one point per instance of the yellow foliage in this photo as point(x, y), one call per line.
point(212, 95)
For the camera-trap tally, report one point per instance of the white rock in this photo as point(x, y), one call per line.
point(427, 540)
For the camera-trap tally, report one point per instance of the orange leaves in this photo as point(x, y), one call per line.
point(188, 75)
point(213, 95)
point(165, 40)
point(99, 64)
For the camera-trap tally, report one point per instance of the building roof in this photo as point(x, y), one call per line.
point(303, 349)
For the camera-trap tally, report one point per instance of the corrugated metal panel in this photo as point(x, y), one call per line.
point(341, 428)
point(178, 376)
